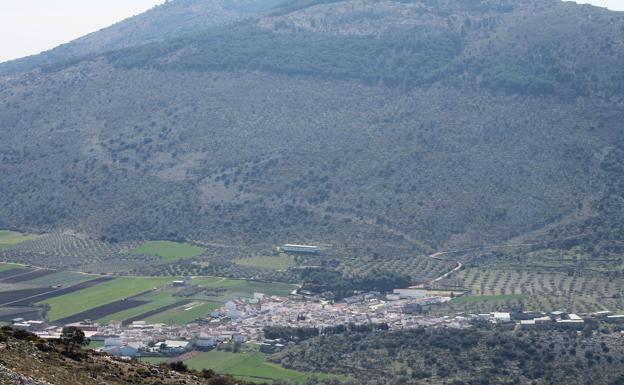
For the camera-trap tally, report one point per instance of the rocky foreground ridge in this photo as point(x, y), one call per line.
point(27, 360)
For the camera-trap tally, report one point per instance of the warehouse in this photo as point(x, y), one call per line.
point(290, 248)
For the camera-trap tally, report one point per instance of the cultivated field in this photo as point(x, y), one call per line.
point(184, 314)
point(153, 302)
point(249, 366)
point(534, 290)
point(72, 296)
point(8, 266)
point(73, 252)
point(420, 269)
point(196, 300)
point(9, 313)
point(12, 270)
point(9, 239)
point(9, 297)
point(101, 311)
point(62, 278)
point(235, 288)
point(29, 297)
point(102, 294)
point(168, 251)
point(27, 275)
point(281, 262)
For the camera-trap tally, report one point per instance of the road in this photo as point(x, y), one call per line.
point(457, 267)
point(458, 264)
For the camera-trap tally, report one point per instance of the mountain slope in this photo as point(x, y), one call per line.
point(172, 19)
point(382, 128)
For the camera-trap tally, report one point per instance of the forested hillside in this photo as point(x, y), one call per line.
point(460, 357)
point(381, 128)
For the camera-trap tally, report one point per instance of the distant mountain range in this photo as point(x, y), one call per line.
point(380, 127)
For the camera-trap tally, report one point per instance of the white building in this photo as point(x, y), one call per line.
point(175, 347)
point(290, 248)
point(205, 342)
point(570, 324)
point(501, 317)
point(618, 318)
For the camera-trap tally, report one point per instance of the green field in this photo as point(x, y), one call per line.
point(12, 238)
point(168, 251)
point(102, 294)
point(184, 315)
point(122, 288)
point(95, 344)
point(8, 266)
point(156, 301)
point(281, 262)
point(153, 360)
point(202, 304)
point(241, 288)
point(249, 366)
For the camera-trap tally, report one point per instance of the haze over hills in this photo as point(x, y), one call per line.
point(171, 19)
point(380, 127)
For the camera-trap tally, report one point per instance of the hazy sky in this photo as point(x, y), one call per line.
point(30, 26)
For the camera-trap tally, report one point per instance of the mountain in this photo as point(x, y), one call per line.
point(169, 20)
point(381, 128)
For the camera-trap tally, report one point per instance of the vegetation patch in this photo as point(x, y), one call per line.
point(535, 288)
point(235, 288)
point(249, 366)
point(462, 356)
point(488, 298)
point(27, 276)
point(11, 238)
point(185, 314)
point(102, 294)
point(281, 262)
point(100, 311)
point(62, 278)
point(9, 273)
point(154, 360)
point(10, 297)
point(8, 266)
point(155, 302)
point(168, 251)
point(95, 344)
